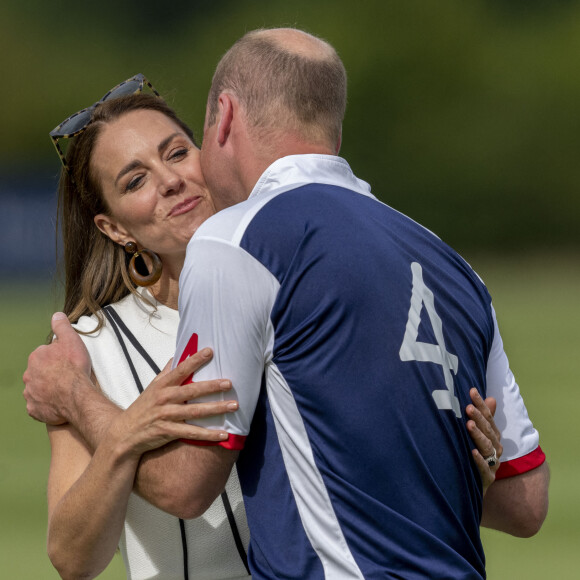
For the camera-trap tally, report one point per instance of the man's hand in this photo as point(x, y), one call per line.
point(54, 371)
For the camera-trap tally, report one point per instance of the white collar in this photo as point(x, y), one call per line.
point(293, 171)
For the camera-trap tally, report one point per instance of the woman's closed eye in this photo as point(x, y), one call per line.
point(178, 153)
point(173, 155)
point(134, 183)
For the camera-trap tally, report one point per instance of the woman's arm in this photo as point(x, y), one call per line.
point(87, 497)
point(59, 390)
point(87, 501)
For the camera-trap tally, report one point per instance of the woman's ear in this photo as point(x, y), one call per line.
point(112, 229)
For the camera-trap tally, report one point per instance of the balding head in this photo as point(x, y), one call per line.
point(287, 81)
point(297, 42)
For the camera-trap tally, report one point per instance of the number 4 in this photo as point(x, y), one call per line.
point(413, 350)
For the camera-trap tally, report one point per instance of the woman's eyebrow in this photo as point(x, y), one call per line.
point(129, 167)
point(135, 164)
point(167, 140)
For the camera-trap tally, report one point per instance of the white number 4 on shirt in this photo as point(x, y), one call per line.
point(413, 350)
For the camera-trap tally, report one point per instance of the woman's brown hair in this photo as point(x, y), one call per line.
point(95, 267)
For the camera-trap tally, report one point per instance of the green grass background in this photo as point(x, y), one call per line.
point(537, 300)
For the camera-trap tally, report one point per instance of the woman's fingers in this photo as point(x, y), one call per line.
point(195, 411)
point(483, 443)
point(194, 433)
point(185, 369)
point(486, 436)
point(484, 449)
point(192, 391)
point(486, 472)
point(482, 405)
point(161, 433)
point(148, 426)
point(163, 412)
point(491, 404)
point(181, 377)
point(481, 413)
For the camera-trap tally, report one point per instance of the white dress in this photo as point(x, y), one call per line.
point(152, 543)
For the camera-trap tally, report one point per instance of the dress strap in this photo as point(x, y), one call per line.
point(111, 314)
point(235, 531)
point(118, 325)
point(109, 310)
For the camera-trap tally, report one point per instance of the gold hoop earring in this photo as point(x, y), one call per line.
point(134, 270)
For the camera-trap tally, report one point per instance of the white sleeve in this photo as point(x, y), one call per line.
point(518, 435)
point(225, 301)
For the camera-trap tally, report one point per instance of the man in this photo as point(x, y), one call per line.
point(352, 336)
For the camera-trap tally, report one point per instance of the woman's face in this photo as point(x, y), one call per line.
point(151, 179)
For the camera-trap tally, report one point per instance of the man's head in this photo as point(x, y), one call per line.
point(288, 88)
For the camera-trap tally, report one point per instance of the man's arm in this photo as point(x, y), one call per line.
point(195, 485)
point(59, 390)
point(518, 505)
point(515, 505)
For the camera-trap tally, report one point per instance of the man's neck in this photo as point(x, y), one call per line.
point(255, 152)
point(270, 151)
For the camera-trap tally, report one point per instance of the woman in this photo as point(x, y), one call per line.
point(156, 203)
point(132, 181)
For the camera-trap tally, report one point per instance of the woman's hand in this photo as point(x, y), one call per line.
point(160, 413)
point(482, 429)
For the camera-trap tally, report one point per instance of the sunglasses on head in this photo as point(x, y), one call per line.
point(77, 123)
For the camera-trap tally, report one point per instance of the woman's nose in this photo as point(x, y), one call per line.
point(171, 182)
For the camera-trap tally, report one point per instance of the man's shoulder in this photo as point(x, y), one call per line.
point(228, 224)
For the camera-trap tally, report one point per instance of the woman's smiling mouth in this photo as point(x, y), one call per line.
point(184, 206)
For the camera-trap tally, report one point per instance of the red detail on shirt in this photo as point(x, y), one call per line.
point(521, 464)
point(234, 442)
point(190, 349)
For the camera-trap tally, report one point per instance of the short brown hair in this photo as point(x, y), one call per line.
point(279, 87)
point(95, 267)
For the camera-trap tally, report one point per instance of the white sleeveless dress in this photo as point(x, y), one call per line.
point(155, 544)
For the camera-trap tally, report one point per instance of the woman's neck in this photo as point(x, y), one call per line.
point(166, 290)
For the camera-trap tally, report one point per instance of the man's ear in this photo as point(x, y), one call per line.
point(226, 117)
point(112, 229)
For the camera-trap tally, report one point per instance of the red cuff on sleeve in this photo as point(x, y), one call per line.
point(234, 442)
point(521, 464)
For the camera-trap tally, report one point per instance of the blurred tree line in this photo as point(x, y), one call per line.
point(463, 114)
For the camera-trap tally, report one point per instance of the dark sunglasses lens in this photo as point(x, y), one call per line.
point(75, 123)
point(127, 88)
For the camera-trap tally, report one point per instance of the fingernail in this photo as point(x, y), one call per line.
point(205, 353)
point(224, 436)
point(232, 406)
point(225, 385)
point(58, 316)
